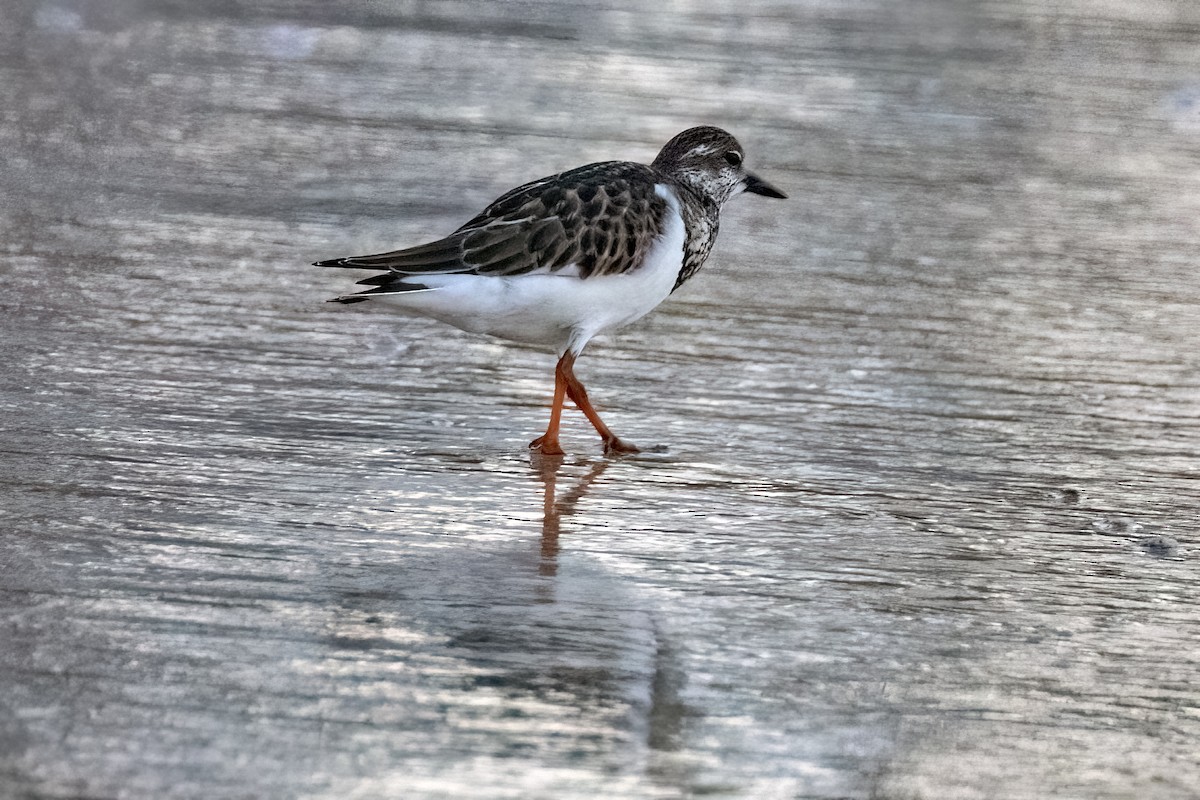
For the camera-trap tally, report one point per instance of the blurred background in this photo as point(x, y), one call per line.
point(918, 513)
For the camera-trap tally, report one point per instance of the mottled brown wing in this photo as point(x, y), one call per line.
point(600, 218)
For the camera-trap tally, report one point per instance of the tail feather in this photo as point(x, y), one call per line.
point(394, 285)
point(444, 255)
point(392, 281)
point(380, 280)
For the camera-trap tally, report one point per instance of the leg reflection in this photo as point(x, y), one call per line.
point(555, 507)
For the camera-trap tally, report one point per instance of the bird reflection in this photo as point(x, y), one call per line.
point(556, 506)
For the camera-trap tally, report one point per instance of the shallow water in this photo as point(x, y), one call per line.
point(919, 515)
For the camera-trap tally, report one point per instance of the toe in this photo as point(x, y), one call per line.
point(617, 446)
point(547, 447)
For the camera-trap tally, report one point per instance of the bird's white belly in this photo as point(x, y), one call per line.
point(554, 309)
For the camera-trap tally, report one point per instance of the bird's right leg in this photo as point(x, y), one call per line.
point(547, 443)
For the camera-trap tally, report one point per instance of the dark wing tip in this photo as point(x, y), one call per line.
point(351, 262)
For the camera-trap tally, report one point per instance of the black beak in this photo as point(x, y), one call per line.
point(757, 185)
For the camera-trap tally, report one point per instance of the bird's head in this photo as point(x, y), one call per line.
point(708, 161)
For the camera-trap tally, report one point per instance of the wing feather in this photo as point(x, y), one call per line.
point(599, 219)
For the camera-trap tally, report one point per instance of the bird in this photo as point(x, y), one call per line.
point(561, 259)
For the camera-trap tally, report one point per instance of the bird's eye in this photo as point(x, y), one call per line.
point(734, 158)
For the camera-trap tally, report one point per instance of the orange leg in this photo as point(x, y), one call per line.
point(567, 385)
point(547, 443)
point(579, 397)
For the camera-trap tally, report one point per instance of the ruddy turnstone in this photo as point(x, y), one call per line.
point(562, 259)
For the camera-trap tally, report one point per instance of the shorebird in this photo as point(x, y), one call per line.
point(564, 258)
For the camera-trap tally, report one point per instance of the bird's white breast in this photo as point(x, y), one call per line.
point(556, 309)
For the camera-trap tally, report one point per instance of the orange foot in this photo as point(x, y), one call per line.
point(547, 447)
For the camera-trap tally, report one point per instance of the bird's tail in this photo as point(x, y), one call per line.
point(388, 283)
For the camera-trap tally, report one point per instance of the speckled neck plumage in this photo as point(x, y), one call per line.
point(701, 219)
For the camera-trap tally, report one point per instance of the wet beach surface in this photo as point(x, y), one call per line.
point(918, 516)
